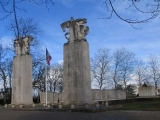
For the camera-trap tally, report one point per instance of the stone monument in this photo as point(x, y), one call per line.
point(22, 72)
point(77, 80)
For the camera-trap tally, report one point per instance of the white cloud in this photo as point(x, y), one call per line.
point(67, 3)
point(60, 61)
point(6, 40)
point(133, 80)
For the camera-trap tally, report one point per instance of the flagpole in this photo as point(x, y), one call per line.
point(46, 77)
point(48, 58)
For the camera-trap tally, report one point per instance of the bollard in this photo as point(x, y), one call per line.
point(86, 106)
point(60, 106)
point(48, 106)
point(5, 105)
point(97, 105)
point(33, 105)
point(72, 106)
point(21, 106)
point(44, 105)
point(13, 105)
point(106, 103)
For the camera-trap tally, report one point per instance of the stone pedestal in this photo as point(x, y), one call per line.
point(77, 79)
point(22, 80)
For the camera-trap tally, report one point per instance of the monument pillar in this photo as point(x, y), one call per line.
point(77, 80)
point(22, 73)
point(22, 80)
point(77, 77)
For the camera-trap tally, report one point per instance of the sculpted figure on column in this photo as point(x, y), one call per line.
point(76, 29)
point(22, 45)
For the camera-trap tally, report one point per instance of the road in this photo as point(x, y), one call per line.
point(50, 115)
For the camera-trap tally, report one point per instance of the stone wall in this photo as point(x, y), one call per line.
point(104, 95)
point(61, 97)
point(97, 95)
point(51, 97)
point(116, 94)
point(158, 92)
point(147, 91)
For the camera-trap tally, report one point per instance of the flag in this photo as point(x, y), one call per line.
point(48, 57)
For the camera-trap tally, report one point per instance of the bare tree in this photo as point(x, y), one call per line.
point(9, 72)
point(127, 65)
point(55, 78)
point(38, 74)
point(141, 73)
point(39, 78)
point(10, 7)
point(122, 67)
point(4, 61)
point(115, 71)
point(100, 66)
point(38, 71)
point(149, 11)
point(154, 69)
point(26, 27)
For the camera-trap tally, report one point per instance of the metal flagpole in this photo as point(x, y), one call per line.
point(46, 78)
point(48, 58)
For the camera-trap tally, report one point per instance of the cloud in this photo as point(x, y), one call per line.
point(67, 3)
point(114, 33)
point(6, 40)
point(73, 3)
point(60, 61)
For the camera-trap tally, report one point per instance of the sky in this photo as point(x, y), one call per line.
point(103, 33)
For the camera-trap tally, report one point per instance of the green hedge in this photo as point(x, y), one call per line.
point(114, 102)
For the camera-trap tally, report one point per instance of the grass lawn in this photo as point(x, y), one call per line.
point(147, 105)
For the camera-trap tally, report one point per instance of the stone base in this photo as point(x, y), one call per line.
point(58, 108)
point(22, 80)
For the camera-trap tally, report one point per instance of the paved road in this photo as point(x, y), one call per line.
point(107, 115)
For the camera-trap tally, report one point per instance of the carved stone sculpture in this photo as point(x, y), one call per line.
point(76, 29)
point(22, 45)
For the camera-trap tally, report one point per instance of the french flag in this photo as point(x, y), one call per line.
point(48, 57)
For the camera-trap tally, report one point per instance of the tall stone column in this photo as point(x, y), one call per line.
point(22, 72)
point(22, 80)
point(77, 79)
